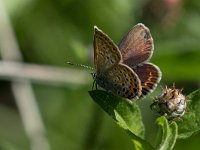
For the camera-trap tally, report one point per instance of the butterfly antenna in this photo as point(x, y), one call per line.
point(80, 65)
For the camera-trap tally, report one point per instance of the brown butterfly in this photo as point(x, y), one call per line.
point(124, 70)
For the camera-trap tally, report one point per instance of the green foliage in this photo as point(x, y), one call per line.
point(168, 134)
point(190, 122)
point(127, 115)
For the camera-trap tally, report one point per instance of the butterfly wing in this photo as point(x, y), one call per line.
point(123, 81)
point(111, 74)
point(137, 46)
point(149, 76)
point(106, 53)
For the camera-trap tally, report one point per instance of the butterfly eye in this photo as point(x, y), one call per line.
point(94, 75)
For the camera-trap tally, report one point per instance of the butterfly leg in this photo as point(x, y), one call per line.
point(94, 84)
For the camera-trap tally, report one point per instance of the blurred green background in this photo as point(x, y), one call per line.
point(52, 32)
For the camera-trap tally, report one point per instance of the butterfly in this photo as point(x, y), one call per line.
point(124, 69)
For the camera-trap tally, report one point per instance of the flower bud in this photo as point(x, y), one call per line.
point(171, 103)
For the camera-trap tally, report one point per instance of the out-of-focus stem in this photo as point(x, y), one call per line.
point(22, 89)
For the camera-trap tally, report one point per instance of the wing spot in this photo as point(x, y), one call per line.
point(119, 78)
point(118, 92)
point(135, 90)
point(144, 92)
point(135, 85)
point(131, 95)
point(135, 79)
point(150, 84)
point(146, 35)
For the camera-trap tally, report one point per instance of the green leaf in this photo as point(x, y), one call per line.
point(167, 135)
point(190, 122)
point(125, 113)
point(139, 143)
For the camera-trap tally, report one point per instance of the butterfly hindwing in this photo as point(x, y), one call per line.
point(149, 76)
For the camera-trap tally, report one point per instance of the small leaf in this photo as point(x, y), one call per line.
point(190, 122)
point(139, 143)
point(167, 135)
point(125, 113)
point(173, 134)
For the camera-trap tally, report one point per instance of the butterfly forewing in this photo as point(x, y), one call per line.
point(106, 53)
point(111, 74)
point(137, 46)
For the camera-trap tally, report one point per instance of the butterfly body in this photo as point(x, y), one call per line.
point(123, 70)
